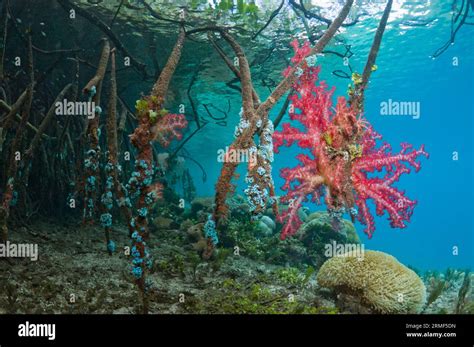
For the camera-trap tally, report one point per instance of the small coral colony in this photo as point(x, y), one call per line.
point(343, 161)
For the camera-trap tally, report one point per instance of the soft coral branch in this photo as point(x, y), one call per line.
point(290, 218)
point(381, 190)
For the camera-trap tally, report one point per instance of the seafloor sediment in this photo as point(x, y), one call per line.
point(75, 274)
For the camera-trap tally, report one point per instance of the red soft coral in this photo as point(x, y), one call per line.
point(167, 128)
point(343, 152)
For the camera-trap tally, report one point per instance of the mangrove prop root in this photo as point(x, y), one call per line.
point(111, 165)
point(272, 16)
point(243, 141)
point(3, 37)
point(112, 168)
point(101, 68)
point(288, 81)
point(17, 117)
point(309, 15)
point(66, 4)
point(152, 121)
point(357, 98)
point(91, 163)
point(228, 62)
point(68, 89)
point(9, 192)
point(256, 122)
point(7, 121)
point(26, 167)
point(161, 86)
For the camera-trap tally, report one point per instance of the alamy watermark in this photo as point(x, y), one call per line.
point(401, 108)
point(231, 155)
point(19, 250)
point(75, 108)
point(335, 249)
point(37, 330)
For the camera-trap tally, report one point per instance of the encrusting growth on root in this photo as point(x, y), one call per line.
point(112, 168)
point(91, 163)
point(155, 123)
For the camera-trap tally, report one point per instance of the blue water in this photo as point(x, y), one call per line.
point(444, 187)
point(443, 218)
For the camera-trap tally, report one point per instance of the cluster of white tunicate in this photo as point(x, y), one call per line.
point(266, 152)
point(268, 131)
point(249, 179)
point(272, 200)
point(243, 124)
point(252, 150)
point(107, 200)
point(311, 60)
point(336, 213)
point(266, 146)
point(256, 197)
point(239, 129)
point(89, 164)
point(124, 201)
